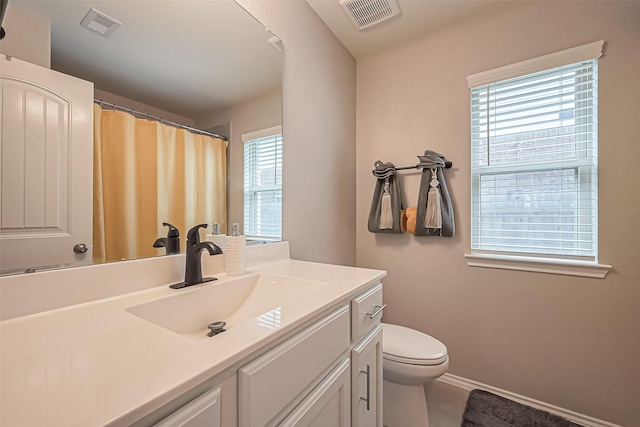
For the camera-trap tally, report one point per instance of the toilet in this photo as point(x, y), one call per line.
point(410, 359)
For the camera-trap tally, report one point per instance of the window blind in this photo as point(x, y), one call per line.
point(534, 163)
point(263, 187)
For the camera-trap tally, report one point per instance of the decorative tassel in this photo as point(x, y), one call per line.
point(433, 217)
point(386, 217)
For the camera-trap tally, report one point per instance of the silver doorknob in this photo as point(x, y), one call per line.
point(80, 248)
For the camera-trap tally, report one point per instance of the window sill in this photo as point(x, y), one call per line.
point(539, 265)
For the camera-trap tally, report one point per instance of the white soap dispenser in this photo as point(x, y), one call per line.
point(235, 252)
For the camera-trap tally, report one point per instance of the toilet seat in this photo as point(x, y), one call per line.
point(405, 345)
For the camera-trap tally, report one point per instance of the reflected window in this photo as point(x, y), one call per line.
point(270, 320)
point(263, 184)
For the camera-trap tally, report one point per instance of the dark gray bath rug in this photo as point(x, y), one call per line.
point(485, 409)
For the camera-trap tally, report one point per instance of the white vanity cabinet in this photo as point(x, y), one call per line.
point(330, 374)
point(302, 347)
point(327, 374)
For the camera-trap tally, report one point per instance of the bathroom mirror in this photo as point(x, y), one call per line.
point(198, 60)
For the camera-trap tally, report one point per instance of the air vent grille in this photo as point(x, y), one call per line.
point(99, 23)
point(366, 13)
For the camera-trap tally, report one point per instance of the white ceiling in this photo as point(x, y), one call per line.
point(190, 57)
point(183, 56)
point(417, 18)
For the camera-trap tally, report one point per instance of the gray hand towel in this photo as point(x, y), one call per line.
point(385, 172)
point(433, 160)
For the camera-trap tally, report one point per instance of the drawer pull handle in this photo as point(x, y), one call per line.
point(368, 398)
point(378, 309)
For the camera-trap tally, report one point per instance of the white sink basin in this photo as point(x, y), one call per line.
point(256, 297)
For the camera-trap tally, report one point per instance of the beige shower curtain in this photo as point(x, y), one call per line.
point(147, 173)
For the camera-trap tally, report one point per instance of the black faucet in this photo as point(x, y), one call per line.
point(171, 243)
point(193, 261)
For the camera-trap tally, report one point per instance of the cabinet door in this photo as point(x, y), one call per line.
point(366, 380)
point(204, 411)
point(272, 385)
point(327, 405)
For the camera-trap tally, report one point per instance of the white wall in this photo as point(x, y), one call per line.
point(28, 36)
point(569, 341)
point(319, 103)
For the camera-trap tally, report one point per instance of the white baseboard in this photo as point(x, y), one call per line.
point(575, 417)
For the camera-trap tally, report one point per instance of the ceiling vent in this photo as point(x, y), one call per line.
point(99, 23)
point(366, 13)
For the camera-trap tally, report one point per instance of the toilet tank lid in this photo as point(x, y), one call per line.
point(411, 346)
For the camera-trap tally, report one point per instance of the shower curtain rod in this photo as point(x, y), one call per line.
point(156, 118)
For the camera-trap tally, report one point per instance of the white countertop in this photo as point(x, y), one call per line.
point(95, 364)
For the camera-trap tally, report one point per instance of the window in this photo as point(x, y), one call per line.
point(534, 137)
point(263, 184)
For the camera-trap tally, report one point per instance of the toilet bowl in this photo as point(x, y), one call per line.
point(410, 359)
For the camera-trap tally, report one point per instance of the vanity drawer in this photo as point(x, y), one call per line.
point(366, 311)
point(274, 380)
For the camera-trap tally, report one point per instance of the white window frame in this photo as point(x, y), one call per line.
point(251, 191)
point(546, 263)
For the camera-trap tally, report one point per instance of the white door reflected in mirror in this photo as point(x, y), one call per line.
point(46, 174)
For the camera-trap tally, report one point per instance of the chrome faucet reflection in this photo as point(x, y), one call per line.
point(193, 259)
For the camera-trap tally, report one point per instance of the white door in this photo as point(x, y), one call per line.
point(46, 167)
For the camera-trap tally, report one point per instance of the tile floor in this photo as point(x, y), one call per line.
point(446, 404)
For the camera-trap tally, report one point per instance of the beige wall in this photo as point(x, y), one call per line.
point(28, 36)
point(572, 342)
point(319, 104)
point(260, 113)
